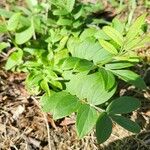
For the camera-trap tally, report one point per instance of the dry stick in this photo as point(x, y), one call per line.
point(48, 131)
point(46, 122)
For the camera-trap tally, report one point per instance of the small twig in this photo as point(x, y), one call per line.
point(14, 147)
point(46, 122)
point(48, 131)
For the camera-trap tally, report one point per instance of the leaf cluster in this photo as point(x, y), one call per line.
point(75, 63)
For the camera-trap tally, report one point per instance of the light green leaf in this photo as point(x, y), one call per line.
point(60, 12)
point(61, 54)
point(14, 59)
point(76, 64)
point(137, 43)
point(122, 105)
point(130, 77)
point(136, 27)
point(100, 34)
point(114, 35)
point(32, 3)
point(13, 22)
point(60, 104)
point(32, 82)
point(119, 65)
point(3, 45)
point(70, 5)
point(108, 46)
point(78, 11)
point(126, 123)
point(3, 28)
point(134, 59)
point(131, 44)
point(64, 22)
point(97, 88)
point(25, 35)
point(89, 32)
point(62, 43)
point(103, 128)
point(118, 25)
point(5, 13)
point(86, 120)
point(44, 86)
point(88, 49)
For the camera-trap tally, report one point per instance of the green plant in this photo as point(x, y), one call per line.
point(75, 63)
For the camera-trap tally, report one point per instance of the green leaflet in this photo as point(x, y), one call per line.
point(136, 27)
point(3, 28)
point(114, 35)
point(88, 49)
point(97, 88)
point(76, 64)
point(32, 3)
point(100, 34)
point(44, 86)
point(25, 35)
point(70, 5)
point(86, 120)
point(130, 77)
point(13, 22)
point(5, 13)
point(124, 104)
point(126, 123)
point(60, 104)
point(33, 81)
point(14, 59)
point(103, 127)
point(109, 47)
point(3, 45)
point(118, 25)
point(119, 65)
point(60, 12)
point(137, 43)
point(87, 33)
point(64, 22)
